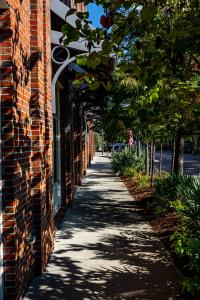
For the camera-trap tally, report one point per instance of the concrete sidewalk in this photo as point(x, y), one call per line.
point(105, 250)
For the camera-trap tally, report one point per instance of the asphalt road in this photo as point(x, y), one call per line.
point(191, 163)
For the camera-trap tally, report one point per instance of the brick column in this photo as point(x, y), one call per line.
point(16, 147)
point(41, 115)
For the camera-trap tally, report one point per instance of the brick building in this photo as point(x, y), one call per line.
point(47, 140)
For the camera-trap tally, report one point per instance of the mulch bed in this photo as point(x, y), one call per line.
point(139, 194)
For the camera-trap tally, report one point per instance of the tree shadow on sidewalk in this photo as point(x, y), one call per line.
point(106, 250)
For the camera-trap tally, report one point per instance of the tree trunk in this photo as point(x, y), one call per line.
point(161, 157)
point(150, 157)
point(173, 156)
point(102, 141)
point(147, 159)
point(138, 148)
point(153, 161)
point(179, 153)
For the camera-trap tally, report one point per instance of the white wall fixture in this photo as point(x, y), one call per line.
point(63, 60)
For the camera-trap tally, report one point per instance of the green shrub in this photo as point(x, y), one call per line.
point(144, 180)
point(169, 185)
point(127, 159)
point(189, 201)
point(97, 141)
point(186, 243)
point(168, 190)
point(186, 240)
point(130, 172)
point(181, 194)
point(140, 179)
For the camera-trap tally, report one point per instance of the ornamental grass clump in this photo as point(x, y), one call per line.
point(169, 185)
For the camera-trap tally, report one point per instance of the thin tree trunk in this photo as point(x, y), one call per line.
point(146, 159)
point(102, 141)
point(138, 148)
point(179, 153)
point(173, 156)
point(153, 162)
point(161, 158)
point(150, 157)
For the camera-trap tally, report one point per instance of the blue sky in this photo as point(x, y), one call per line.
point(95, 13)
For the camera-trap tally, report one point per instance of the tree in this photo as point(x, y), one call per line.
point(156, 46)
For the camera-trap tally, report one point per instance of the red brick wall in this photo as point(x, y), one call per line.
point(16, 149)
point(71, 3)
point(25, 76)
point(41, 113)
point(27, 146)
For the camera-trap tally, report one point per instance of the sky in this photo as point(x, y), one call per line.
point(95, 13)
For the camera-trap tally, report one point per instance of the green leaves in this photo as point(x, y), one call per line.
point(82, 60)
point(91, 61)
point(153, 94)
point(78, 24)
point(70, 34)
point(82, 15)
point(107, 47)
point(148, 13)
point(107, 86)
point(157, 53)
point(70, 12)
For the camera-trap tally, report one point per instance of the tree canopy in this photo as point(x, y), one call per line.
point(155, 84)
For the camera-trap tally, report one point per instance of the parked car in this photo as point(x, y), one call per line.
point(119, 147)
point(108, 147)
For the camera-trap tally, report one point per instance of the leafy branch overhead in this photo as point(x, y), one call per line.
point(156, 74)
point(153, 88)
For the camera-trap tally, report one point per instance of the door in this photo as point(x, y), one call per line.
point(56, 155)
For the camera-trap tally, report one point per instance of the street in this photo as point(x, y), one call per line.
point(191, 163)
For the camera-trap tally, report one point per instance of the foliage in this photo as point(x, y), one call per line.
point(127, 159)
point(130, 172)
point(182, 195)
point(155, 83)
point(154, 90)
point(97, 141)
point(138, 177)
point(186, 243)
point(170, 184)
point(143, 180)
point(189, 195)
